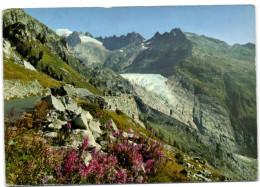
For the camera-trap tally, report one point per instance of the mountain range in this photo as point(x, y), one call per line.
point(196, 91)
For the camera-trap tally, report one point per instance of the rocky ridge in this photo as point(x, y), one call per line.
point(114, 42)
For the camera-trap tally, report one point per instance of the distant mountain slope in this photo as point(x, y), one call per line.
point(162, 54)
point(95, 53)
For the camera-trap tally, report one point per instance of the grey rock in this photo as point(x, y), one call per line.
point(78, 136)
point(96, 135)
point(55, 103)
point(94, 99)
point(87, 159)
point(94, 126)
point(57, 124)
point(27, 65)
point(51, 134)
point(82, 120)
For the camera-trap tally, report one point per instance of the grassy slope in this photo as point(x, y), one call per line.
point(44, 49)
point(14, 71)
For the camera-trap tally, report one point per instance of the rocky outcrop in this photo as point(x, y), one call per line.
point(73, 39)
point(14, 89)
point(125, 103)
point(61, 118)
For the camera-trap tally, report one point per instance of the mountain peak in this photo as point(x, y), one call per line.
point(74, 39)
point(88, 34)
point(114, 42)
point(176, 30)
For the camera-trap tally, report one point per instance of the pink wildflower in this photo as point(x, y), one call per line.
point(108, 125)
point(71, 161)
point(68, 125)
point(85, 143)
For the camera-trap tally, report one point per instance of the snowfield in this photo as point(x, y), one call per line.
point(63, 32)
point(85, 39)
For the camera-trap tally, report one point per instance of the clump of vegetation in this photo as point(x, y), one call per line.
point(32, 160)
point(125, 162)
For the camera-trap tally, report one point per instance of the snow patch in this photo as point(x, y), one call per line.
point(63, 32)
point(85, 39)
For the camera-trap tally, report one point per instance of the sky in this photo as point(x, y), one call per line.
point(230, 23)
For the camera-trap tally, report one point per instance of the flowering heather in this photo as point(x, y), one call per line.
point(108, 125)
point(71, 161)
point(85, 144)
point(68, 126)
point(124, 160)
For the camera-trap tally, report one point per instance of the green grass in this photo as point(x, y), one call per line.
point(14, 71)
point(53, 65)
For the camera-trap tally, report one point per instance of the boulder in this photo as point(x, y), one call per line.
point(79, 135)
point(27, 65)
point(96, 135)
point(70, 104)
point(94, 126)
point(87, 158)
point(56, 124)
point(51, 135)
point(82, 120)
point(54, 103)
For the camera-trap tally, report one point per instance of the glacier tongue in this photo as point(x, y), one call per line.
point(153, 83)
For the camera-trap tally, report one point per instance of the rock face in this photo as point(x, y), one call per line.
point(73, 39)
point(125, 103)
point(199, 112)
point(115, 42)
point(19, 89)
point(162, 54)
